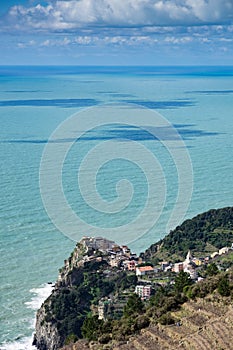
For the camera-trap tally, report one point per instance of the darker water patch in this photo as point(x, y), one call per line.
point(26, 91)
point(211, 92)
point(116, 94)
point(130, 133)
point(173, 104)
point(64, 103)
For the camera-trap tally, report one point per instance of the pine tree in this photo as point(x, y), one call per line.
point(182, 280)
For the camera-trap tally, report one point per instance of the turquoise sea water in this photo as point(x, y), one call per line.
point(198, 101)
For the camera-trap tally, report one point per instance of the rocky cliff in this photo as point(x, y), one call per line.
point(47, 335)
point(84, 280)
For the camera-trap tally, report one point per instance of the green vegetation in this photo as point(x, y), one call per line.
point(134, 305)
point(159, 309)
point(137, 315)
point(69, 306)
point(72, 338)
point(224, 287)
point(92, 328)
point(73, 306)
point(205, 232)
point(182, 280)
point(212, 269)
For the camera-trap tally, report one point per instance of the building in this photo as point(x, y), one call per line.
point(164, 264)
point(144, 270)
point(223, 250)
point(197, 262)
point(189, 266)
point(97, 243)
point(131, 265)
point(178, 267)
point(188, 260)
point(114, 262)
point(214, 254)
point(102, 309)
point(125, 249)
point(191, 271)
point(143, 292)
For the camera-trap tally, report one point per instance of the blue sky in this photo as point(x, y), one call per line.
point(117, 32)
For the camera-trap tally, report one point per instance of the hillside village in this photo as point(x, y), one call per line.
point(149, 277)
point(168, 297)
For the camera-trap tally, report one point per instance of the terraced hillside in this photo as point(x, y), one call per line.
point(203, 325)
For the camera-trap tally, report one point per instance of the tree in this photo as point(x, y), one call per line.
point(91, 328)
point(134, 305)
point(212, 269)
point(224, 287)
point(182, 280)
point(70, 339)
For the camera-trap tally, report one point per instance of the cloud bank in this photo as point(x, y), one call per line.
point(89, 14)
point(103, 31)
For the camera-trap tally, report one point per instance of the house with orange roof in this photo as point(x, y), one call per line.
point(144, 270)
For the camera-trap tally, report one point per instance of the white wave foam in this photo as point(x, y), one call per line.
point(22, 344)
point(39, 295)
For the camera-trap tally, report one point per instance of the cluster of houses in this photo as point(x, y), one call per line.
point(115, 255)
point(191, 264)
point(122, 257)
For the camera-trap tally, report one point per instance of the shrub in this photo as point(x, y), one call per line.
point(166, 319)
point(91, 328)
point(134, 305)
point(212, 269)
point(72, 338)
point(141, 322)
point(224, 286)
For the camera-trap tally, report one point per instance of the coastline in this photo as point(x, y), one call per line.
point(39, 295)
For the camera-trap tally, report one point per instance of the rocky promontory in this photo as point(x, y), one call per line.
point(92, 275)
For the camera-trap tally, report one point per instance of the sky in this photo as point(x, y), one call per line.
point(116, 32)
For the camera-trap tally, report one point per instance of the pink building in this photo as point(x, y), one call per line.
point(131, 266)
point(143, 292)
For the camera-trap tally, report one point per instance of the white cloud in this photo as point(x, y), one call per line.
point(178, 40)
point(96, 40)
point(77, 14)
point(46, 43)
point(204, 40)
point(21, 45)
point(83, 40)
point(24, 45)
point(227, 40)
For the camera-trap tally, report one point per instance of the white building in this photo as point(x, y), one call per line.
point(223, 250)
point(178, 267)
point(144, 270)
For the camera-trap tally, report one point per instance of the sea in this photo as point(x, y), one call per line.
point(188, 164)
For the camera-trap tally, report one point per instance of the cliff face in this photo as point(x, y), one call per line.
point(46, 333)
point(49, 333)
point(85, 278)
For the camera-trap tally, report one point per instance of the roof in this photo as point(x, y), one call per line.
point(146, 268)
